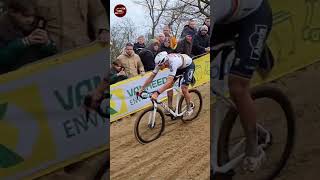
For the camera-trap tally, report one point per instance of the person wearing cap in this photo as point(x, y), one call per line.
point(179, 64)
point(185, 45)
point(201, 42)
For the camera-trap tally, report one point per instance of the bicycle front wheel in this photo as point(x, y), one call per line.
point(276, 132)
point(145, 130)
point(196, 101)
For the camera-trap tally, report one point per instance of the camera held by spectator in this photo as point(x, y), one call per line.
point(117, 72)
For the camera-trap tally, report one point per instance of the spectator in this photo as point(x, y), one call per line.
point(185, 45)
point(139, 45)
point(131, 61)
point(207, 23)
point(161, 37)
point(21, 41)
point(69, 22)
point(201, 41)
point(190, 28)
point(173, 40)
point(147, 55)
point(117, 72)
point(166, 46)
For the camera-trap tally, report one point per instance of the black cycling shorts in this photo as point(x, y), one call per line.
point(188, 73)
point(252, 32)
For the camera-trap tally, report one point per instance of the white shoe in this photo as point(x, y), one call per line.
point(189, 112)
point(253, 163)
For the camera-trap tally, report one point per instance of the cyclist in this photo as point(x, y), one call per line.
point(178, 64)
point(249, 21)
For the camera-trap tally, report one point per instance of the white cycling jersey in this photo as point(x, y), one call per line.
point(225, 11)
point(176, 61)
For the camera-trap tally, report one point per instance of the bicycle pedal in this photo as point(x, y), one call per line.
point(173, 118)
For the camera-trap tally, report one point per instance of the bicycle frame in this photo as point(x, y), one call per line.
point(173, 113)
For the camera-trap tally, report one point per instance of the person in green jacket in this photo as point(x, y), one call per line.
point(23, 38)
point(117, 72)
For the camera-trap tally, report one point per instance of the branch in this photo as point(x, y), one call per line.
point(188, 3)
point(205, 1)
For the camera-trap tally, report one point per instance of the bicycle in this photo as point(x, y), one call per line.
point(228, 140)
point(157, 127)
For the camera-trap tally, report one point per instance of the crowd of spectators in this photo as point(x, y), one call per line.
point(138, 58)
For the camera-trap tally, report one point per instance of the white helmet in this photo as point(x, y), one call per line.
point(161, 58)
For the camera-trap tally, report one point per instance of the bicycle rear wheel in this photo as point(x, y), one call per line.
point(279, 124)
point(196, 100)
point(144, 131)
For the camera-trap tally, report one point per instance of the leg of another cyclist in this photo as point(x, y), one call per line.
point(240, 93)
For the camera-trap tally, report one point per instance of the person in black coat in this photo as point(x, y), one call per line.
point(189, 29)
point(201, 42)
point(139, 45)
point(147, 56)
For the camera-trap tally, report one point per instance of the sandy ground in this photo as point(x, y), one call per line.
point(303, 89)
point(85, 170)
point(182, 152)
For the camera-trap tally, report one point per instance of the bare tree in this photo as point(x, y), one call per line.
point(121, 33)
point(199, 7)
point(156, 9)
point(178, 13)
point(174, 13)
point(173, 17)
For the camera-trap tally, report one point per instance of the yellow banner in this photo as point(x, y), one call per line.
point(42, 126)
point(295, 36)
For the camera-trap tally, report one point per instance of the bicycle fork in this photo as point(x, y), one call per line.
point(152, 116)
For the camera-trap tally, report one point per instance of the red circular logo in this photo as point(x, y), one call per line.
point(120, 10)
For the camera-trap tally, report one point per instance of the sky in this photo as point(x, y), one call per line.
point(136, 13)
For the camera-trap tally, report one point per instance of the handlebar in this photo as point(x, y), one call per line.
point(146, 95)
